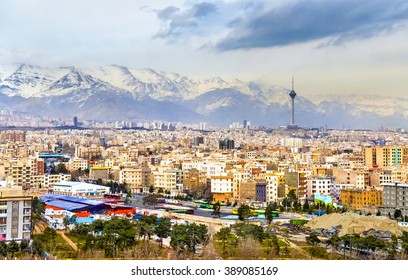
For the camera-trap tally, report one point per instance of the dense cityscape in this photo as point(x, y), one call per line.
point(76, 191)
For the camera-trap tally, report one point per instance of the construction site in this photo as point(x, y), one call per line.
point(353, 223)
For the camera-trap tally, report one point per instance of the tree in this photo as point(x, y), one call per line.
point(148, 224)
point(223, 235)
point(397, 214)
point(187, 237)
point(198, 235)
point(151, 189)
point(312, 239)
point(38, 207)
point(249, 249)
point(334, 241)
point(269, 213)
point(306, 206)
point(244, 212)
point(3, 248)
point(60, 168)
point(179, 238)
point(13, 247)
point(244, 230)
point(163, 229)
point(271, 243)
point(50, 236)
point(216, 209)
point(24, 244)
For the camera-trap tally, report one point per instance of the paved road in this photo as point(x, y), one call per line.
point(69, 241)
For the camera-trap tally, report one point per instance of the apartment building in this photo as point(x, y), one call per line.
point(137, 178)
point(369, 197)
point(385, 156)
point(320, 184)
point(395, 197)
point(222, 188)
point(15, 214)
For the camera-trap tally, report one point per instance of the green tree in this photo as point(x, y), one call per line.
point(216, 209)
point(118, 234)
point(3, 248)
point(397, 214)
point(151, 189)
point(244, 212)
point(244, 230)
point(187, 237)
point(13, 247)
point(148, 224)
point(24, 244)
point(313, 240)
point(163, 229)
point(223, 235)
point(269, 213)
point(38, 208)
point(334, 241)
point(37, 247)
point(198, 235)
point(271, 243)
point(50, 236)
point(97, 226)
point(179, 238)
point(306, 206)
point(60, 168)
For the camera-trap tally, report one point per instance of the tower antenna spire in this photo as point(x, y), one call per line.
point(293, 83)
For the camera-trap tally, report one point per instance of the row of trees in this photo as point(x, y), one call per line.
point(247, 241)
point(362, 246)
point(116, 236)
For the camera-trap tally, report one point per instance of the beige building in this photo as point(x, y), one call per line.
point(15, 214)
point(385, 156)
point(99, 172)
point(137, 178)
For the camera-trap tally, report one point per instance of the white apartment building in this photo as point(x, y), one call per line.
point(272, 183)
point(48, 180)
point(321, 185)
point(222, 188)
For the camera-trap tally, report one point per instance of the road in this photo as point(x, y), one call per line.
point(69, 241)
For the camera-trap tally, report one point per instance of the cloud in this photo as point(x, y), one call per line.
point(336, 21)
point(177, 22)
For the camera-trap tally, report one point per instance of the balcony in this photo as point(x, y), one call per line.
point(27, 212)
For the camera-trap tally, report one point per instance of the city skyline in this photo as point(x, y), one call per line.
point(336, 47)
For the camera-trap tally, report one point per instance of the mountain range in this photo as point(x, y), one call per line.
point(110, 93)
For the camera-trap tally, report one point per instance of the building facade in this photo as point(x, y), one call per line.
point(15, 215)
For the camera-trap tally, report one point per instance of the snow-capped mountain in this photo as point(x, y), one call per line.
point(117, 93)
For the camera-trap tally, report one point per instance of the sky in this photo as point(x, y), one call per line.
point(330, 47)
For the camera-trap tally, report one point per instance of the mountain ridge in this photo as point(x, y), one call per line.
point(115, 92)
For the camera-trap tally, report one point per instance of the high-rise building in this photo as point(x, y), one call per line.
point(226, 144)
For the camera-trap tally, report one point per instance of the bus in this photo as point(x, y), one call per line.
point(256, 212)
point(203, 204)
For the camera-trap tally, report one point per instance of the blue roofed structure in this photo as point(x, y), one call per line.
point(73, 204)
